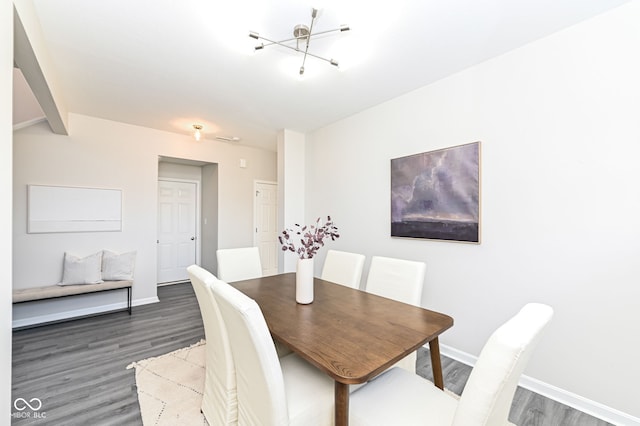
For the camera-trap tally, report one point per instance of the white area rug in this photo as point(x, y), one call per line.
point(170, 387)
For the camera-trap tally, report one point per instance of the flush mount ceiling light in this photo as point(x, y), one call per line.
point(302, 37)
point(197, 134)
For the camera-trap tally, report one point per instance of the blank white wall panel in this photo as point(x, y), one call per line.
point(69, 209)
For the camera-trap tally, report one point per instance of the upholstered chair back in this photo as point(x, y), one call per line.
point(237, 264)
point(219, 401)
point(272, 391)
point(398, 279)
point(401, 280)
point(261, 391)
point(489, 392)
point(398, 397)
point(344, 268)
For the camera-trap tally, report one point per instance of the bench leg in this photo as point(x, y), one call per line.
point(129, 299)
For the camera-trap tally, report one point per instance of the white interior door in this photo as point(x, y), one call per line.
point(176, 229)
point(266, 220)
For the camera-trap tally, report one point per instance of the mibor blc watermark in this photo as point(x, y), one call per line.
point(28, 409)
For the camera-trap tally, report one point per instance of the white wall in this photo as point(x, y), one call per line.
point(168, 170)
point(291, 188)
point(6, 70)
point(559, 122)
point(107, 154)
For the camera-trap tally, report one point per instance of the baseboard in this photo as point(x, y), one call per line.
point(43, 319)
point(173, 283)
point(562, 396)
point(28, 123)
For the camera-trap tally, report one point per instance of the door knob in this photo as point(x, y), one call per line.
point(193, 238)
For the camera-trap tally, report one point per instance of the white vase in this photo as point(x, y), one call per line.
point(304, 281)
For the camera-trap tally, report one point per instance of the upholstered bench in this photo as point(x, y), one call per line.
point(55, 291)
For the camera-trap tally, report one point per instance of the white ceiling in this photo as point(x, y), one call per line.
point(167, 64)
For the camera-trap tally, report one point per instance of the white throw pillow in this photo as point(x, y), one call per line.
point(118, 267)
point(82, 270)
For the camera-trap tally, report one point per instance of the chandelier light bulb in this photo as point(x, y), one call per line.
point(197, 134)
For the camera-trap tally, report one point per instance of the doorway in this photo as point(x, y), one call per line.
point(177, 229)
point(205, 176)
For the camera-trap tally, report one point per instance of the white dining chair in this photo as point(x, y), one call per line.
point(342, 267)
point(271, 393)
point(219, 399)
point(236, 264)
point(397, 397)
point(401, 280)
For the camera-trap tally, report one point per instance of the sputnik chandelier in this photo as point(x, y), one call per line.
point(302, 37)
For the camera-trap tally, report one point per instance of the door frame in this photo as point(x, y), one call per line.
point(198, 213)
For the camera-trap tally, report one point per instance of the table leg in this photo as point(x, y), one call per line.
point(342, 404)
point(436, 364)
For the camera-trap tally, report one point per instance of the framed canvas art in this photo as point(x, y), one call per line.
point(436, 195)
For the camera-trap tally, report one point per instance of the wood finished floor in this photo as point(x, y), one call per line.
point(78, 368)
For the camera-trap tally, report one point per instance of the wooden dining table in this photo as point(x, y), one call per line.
point(349, 334)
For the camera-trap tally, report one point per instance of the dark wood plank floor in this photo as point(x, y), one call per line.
point(78, 368)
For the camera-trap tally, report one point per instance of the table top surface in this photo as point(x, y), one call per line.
point(350, 334)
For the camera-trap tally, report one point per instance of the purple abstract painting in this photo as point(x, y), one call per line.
point(436, 195)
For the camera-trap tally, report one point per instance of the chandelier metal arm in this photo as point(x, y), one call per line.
point(314, 13)
point(300, 32)
point(270, 42)
point(331, 61)
point(279, 43)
